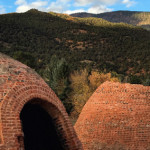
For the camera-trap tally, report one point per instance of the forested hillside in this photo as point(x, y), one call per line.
point(130, 17)
point(75, 55)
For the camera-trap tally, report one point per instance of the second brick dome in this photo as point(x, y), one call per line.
point(117, 116)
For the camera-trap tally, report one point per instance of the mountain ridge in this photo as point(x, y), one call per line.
point(109, 46)
point(138, 18)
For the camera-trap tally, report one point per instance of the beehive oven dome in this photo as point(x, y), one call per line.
point(21, 86)
point(116, 117)
point(13, 72)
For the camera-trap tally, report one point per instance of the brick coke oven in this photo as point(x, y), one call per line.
point(116, 117)
point(31, 115)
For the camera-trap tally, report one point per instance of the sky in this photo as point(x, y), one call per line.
point(73, 6)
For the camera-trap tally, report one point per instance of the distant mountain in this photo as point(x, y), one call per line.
point(130, 17)
point(108, 46)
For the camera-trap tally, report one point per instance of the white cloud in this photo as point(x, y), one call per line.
point(98, 9)
point(59, 6)
point(128, 3)
point(82, 2)
point(24, 6)
point(74, 11)
point(2, 10)
point(20, 2)
point(94, 9)
point(56, 6)
point(95, 2)
point(63, 6)
point(63, 1)
point(39, 4)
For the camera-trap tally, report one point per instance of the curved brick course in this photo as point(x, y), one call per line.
point(116, 117)
point(20, 85)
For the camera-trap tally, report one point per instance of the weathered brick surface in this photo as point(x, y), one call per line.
point(116, 117)
point(19, 85)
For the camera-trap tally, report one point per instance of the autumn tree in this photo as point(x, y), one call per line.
point(80, 90)
point(83, 86)
point(96, 78)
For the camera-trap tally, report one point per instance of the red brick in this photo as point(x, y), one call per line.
point(117, 116)
point(19, 85)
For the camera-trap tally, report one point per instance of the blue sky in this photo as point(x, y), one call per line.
point(72, 6)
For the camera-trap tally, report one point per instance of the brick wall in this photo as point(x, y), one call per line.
point(116, 117)
point(20, 85)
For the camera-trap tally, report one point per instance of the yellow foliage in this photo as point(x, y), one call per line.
point(81, 90)
point(97, 78)
point(79, 80)
point(83, 85)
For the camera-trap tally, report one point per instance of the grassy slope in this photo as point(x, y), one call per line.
point(109, 46)
point(130, 17)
